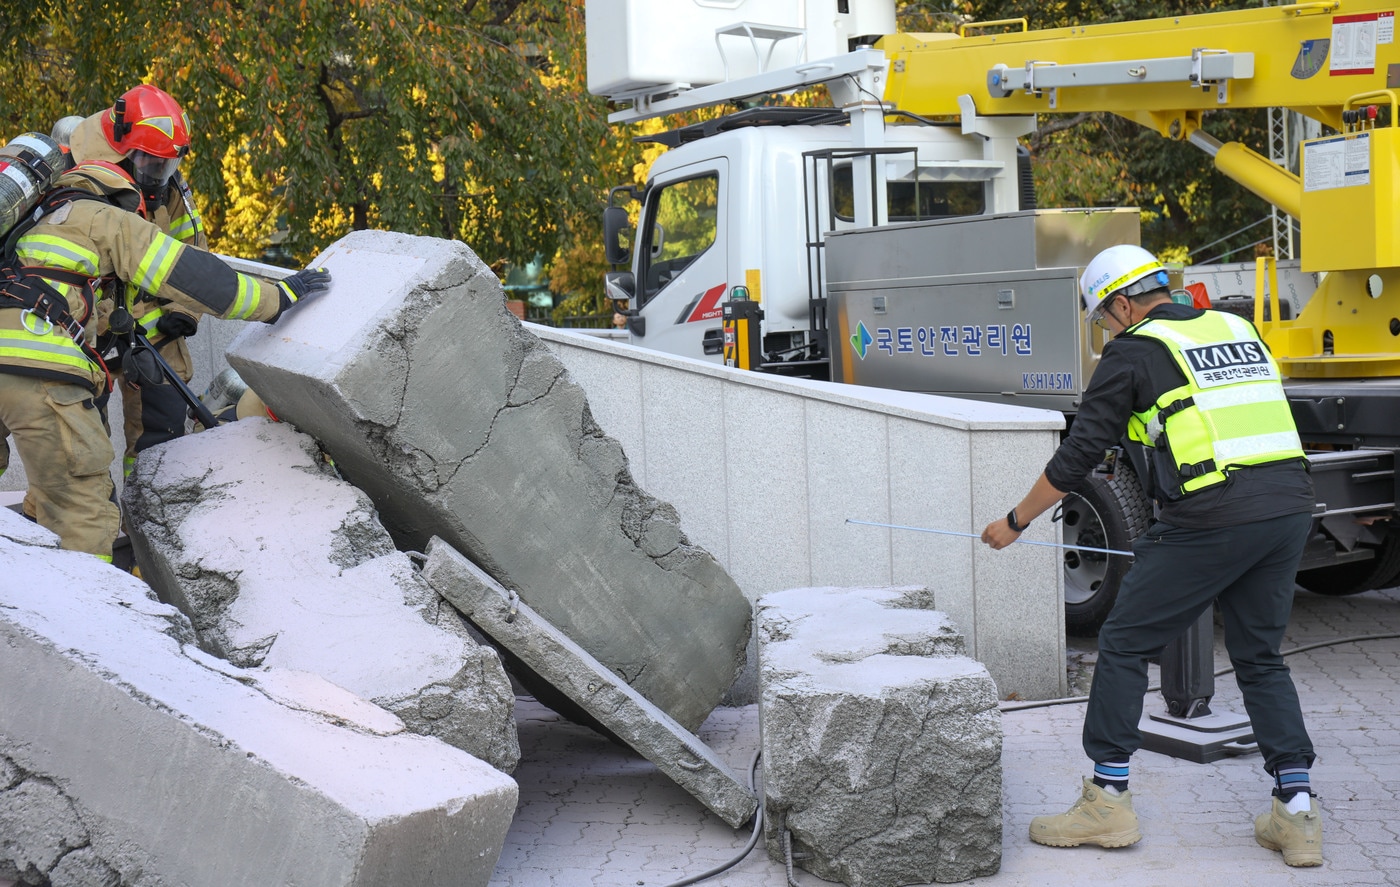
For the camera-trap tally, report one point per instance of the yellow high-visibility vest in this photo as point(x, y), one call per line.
point(1231, 412)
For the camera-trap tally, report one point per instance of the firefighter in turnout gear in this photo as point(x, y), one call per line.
point(90, 235)
point(1233, 501)
point(147, 133)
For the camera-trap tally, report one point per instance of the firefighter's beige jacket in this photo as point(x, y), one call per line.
point(100, 240)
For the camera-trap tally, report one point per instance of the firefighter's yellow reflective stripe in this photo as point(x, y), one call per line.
point(148, 320)
point(128, 464)
point(55, 252)
point(103, 557)
point(1238, 449)
point(182, 229)
point(156, 263)
point(245, 304)
point(186, 228)
point(46, 349)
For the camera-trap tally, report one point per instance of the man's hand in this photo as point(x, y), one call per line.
point(302, 285)
point(175, 326)
point(999, 534)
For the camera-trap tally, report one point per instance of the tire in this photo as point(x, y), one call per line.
point(1380, 571)
point(1104, 514)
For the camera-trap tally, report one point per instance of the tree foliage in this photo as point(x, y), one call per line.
point(456, 119)
point(471, 119)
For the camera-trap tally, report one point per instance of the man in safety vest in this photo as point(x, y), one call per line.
point(1234, 502)
point(90, 231)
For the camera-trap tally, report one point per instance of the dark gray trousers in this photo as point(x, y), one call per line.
point(1176, 574)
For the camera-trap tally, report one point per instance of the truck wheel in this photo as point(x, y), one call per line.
point(1380, 571)
point(1105, 514)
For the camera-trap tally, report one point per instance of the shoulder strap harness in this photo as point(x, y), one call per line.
point(22, 286)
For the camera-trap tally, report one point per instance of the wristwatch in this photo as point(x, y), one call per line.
point(1011, 522)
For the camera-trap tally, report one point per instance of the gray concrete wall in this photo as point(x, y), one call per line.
point(765, 471)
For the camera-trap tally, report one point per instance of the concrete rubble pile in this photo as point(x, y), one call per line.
point(431, 397)
point(278, 562)
point(128, 755)
point(881, 739)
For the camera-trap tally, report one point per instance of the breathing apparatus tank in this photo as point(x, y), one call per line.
point(29, 166)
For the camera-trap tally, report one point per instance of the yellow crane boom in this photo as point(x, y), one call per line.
point(1335, 61)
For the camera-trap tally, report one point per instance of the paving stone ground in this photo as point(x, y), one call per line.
point(592, 814)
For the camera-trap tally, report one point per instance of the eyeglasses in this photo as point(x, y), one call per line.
point(1099, 316)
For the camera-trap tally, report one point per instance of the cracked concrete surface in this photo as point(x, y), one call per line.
point(881, 738)
point(459, 423)
point(676, 751)
point(130, 758)
point(278, 562)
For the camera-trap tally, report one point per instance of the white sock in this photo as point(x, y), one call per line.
point(1299, 803)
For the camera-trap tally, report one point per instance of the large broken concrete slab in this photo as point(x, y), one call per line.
point(651, 732)
point(278, 562)
point(459, 423)
point(881, 739)
point(130, 756)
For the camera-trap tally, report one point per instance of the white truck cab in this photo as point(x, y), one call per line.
point(750, 204)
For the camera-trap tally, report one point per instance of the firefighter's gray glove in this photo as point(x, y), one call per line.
point(175, 326)
point(302, 285)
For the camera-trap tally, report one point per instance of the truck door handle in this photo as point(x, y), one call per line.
point(713, 341)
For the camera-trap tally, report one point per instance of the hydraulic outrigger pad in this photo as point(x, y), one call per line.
point(851, 520)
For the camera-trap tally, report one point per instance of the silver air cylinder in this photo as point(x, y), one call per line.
point(29, 166)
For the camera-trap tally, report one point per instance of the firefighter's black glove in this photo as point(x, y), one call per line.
point(175, 326)
point(302, 285)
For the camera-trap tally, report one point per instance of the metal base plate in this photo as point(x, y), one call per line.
point(1221, 734)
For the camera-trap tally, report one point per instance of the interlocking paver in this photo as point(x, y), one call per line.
point(1197, 818)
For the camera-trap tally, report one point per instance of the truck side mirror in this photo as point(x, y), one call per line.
point(614, 223)
point(621, 287)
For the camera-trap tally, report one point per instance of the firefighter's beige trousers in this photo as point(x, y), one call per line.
point(67, 456)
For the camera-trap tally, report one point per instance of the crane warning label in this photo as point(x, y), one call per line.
point(1337, 162)
point(1354, 39)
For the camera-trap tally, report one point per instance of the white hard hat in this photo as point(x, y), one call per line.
point(1127, 269)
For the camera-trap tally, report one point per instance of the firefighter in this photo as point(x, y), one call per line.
point(91, 230)
point(148, 141)
point(1199, 389)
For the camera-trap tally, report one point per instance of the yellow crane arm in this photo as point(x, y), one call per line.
point(1336, 61)
point(1163, 73)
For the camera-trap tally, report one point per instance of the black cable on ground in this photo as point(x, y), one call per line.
point(753, 838)
point(1069, 700)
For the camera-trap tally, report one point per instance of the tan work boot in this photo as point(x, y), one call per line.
point(1096, 818)
point(1297, 835)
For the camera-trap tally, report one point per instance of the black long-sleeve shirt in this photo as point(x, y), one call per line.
point(1132, 374)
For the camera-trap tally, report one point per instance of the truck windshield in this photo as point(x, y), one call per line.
point(684, 217)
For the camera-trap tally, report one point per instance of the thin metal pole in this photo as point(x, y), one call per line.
point(867, 523)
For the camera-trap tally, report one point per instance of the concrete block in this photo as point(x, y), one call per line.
point(881, 738)
point(128, 756)
point(17, 528)
point(458, 423)
point(647, 729)
point(278, 562)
